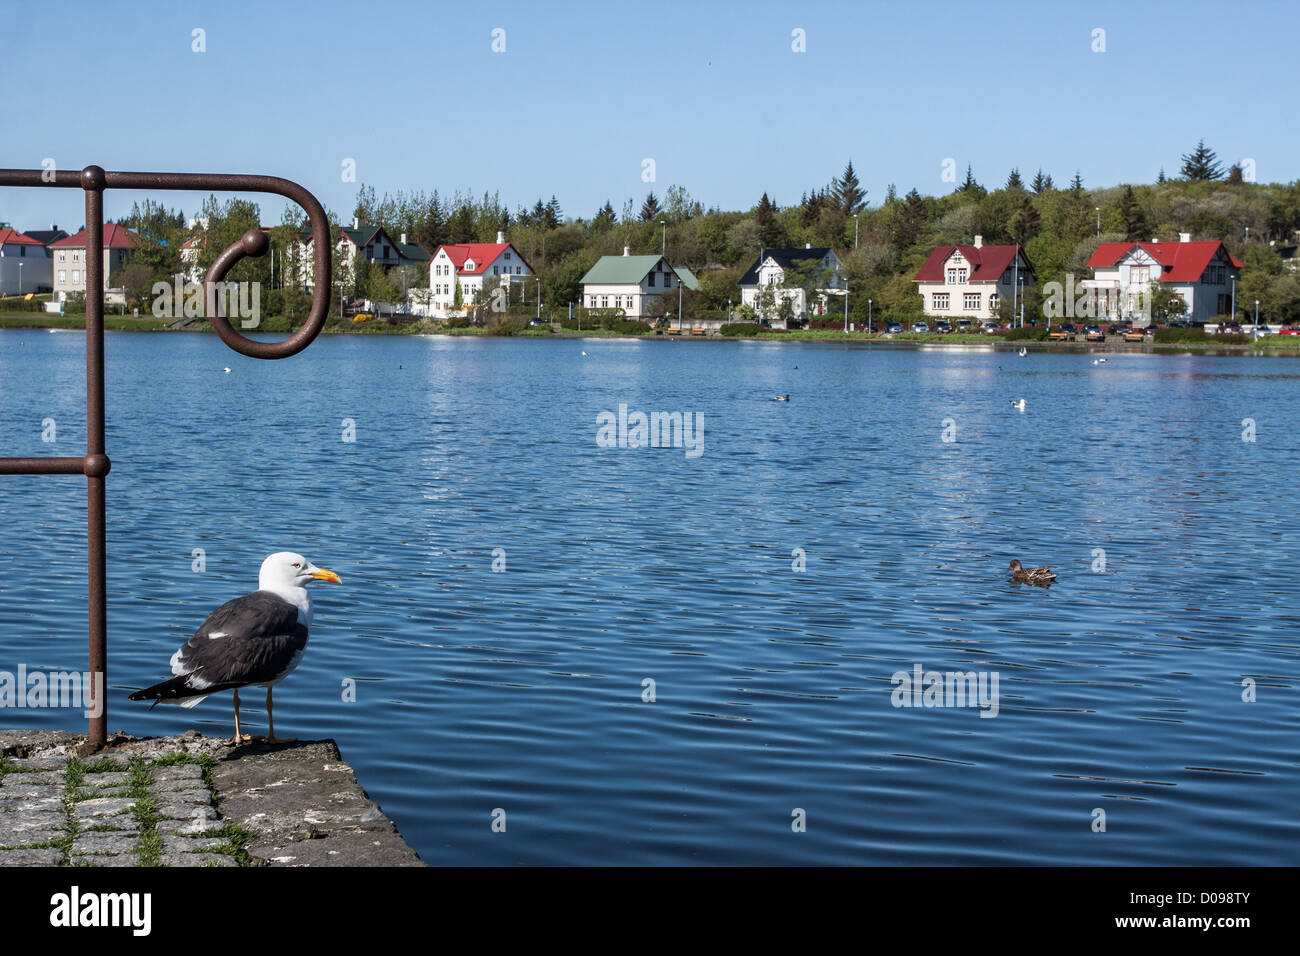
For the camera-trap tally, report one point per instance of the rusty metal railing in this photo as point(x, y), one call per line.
point(95, 463)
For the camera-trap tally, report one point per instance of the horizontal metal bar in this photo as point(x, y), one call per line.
point(51, 466)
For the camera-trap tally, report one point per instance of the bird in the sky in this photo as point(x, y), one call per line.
point(257, 639)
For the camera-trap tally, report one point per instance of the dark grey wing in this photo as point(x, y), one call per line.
point(253, 639)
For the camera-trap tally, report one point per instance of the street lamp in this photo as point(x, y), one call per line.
point(663, 243)
point(1234, 298)
point(1257, 318)
point(539, 298)
point(846, 306)
point(870, 327)
point(1098, 208)
point(855, 229)
point(20, 276)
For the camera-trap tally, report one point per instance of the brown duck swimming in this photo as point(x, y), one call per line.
point(1040, 576)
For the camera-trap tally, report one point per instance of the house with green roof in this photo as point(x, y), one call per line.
point(631, 282)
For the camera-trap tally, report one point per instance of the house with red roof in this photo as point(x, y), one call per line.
point(1202, 273)
point(69, 258)
point(472, 266)
point(24, 263)
point(969, 282)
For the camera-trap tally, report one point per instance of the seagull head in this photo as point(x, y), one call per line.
point(285, 569)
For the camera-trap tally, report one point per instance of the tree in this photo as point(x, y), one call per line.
point(1235, 175)
point(911, 221)
point(553, 214)
point(1041, 183)
point(605, 218)
point(1165, 304)
point(969, 185)
point(1014, 181)
point(770, 233)
point(848, 191)
point(1026, 221)
point(1201, 165)
point(137, 281)
point(649, 208)
point(1131, 216)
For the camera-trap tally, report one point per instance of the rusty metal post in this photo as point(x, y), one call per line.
point(95, 465)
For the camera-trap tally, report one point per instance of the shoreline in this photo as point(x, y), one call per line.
point(50, 322)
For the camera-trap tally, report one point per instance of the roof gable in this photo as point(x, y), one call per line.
point(988, 262)
point(1179, 261)
point(115, 237)
point(14, 237)
point(785, 258)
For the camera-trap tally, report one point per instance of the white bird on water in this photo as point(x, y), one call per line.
point(584, 353)
point(1019, 406)
point(1100, 361)
point(226, 370)
point(257, 639)
point(1024, 352)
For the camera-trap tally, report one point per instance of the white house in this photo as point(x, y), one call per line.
point(766, 283)
point(24, 263)
point(370, 242)
point(1202, 273)
point(631, 282)
point(470, 264)
point(969, 282)
point(69, 258)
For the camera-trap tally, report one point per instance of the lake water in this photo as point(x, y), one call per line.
point(1120, 689)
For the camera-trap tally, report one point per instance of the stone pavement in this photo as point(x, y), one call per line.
point(186, 801)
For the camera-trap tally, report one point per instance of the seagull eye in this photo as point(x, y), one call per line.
point(297, 565)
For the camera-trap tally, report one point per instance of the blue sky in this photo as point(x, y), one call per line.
point(585, 92)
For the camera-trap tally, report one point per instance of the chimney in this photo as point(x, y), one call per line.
point(1155, 238)
point(356, 222)
point(403, 238)
point(979, 242)
point(807, 245)
point(627, 250)
point(501, 238)
point(1184, 237)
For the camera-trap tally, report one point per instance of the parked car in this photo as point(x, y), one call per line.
point(1093, 333)
point(920, 327)
point(942, 327)
point(1231, 328)
point(1150, 330)
point(1290, 330)
point(894, 328)
point(1069, 328)
point(989, 328)
point(964, 325)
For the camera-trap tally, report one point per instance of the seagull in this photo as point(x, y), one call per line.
point(584, 353)
point(1019, 406)
point(255, 639)
point(1023, 351)
point(1100, 361)
point(226, 370)
point(780, 398)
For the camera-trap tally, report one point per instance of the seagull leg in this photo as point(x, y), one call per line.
point(239, 738)
point(270, 721)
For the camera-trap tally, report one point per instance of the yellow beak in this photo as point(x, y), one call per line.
point(324, 575)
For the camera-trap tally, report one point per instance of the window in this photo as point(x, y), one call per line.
point(993, 302)
point(519, 270)
point(604, 302)
point(63, 276)
point(961, 275)
point(668, 281)
point(507, 255)
point(76, 257)
point(1139, 275)
point(496, 270)
point(76, 276)
point(652, 280)
point(971, 300)
point(952, 275)
point(940, 300)
point(592, 303)
point(62, 256)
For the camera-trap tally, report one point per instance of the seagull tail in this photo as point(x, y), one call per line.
point(174, 690)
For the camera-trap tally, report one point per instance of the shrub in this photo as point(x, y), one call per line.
point(741, 328)
point(1027, 333)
